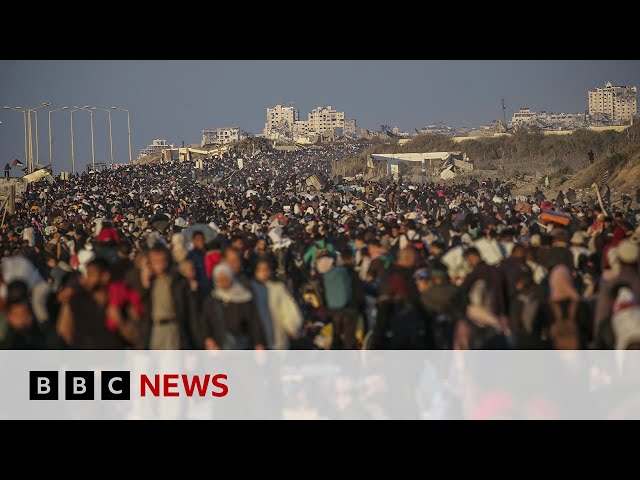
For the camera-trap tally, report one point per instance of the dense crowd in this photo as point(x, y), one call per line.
point(170, 256)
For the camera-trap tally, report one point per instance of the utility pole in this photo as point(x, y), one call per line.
point(504, 114)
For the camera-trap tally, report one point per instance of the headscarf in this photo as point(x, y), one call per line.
point(237, 293)
point(561, 285)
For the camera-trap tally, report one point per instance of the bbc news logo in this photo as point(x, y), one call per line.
point(80, 385)
point(116, 385)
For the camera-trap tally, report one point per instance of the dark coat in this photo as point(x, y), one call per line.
point(218, 319)
point(402, 325)
point(185, 306)
point(197, 257)
point(442, 299)
point(357, 302)
point(550, 257)
point(512, 268)
point(38, 337)
point(90, 330)
point(544, 320)
point(494, 277)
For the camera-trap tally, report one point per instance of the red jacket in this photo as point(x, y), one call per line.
point(211, 259)
point(108, 235)
point(121, 296)
point(618, 236)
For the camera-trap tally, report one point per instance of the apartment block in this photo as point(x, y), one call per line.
point(616, 103)
point(220, 136)
point(280, 121)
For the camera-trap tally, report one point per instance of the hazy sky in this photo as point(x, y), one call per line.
point(177, 99)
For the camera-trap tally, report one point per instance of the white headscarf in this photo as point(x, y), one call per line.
point(237, 293)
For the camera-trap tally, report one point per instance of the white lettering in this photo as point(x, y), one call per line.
point(111, 389)
point(43, 386)
point(79, 386)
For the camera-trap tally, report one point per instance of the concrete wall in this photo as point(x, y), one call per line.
point(19, 182)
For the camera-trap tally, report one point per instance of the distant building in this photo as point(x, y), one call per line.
point(300, 128)
point(325, 119)
point(157, 145)
point(398, 133)
point(280, 121)
point(616, 103)
point(562, 120)
point(350, 127)
point(438, 128)
point(221, 136)
point(380, 134)
point(524, 116)
point(324, 122)
point(283, 122)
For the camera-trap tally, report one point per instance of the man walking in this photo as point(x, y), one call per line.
point(7, 169)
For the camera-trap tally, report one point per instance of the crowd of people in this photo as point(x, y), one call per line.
point(170, 256)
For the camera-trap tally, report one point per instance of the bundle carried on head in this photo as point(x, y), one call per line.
point(552, 216)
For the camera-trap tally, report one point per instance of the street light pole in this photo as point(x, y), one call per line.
point(26, 152)
point(30, 161)
point(110, 135)
point(51, 138)
point(73, 156)
point(128, 128)
point(34, 109)
point(35, 114)
point(28, 137)
point(93, 156)
point(129, 133)
point(110, 138)
point(93, 153)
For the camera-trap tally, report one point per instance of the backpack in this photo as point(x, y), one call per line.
point(337, 288)
point(564, 329)
point(312, 294)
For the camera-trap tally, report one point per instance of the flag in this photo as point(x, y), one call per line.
point(16, 163)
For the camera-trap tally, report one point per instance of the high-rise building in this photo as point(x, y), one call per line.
point(280, 121)
point(325, 119)
point(616, 103)
point(284, 122)
point(220, 135)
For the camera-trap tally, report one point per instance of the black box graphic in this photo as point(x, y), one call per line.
point(43, 385)
point(79, 385)
point(115, 385)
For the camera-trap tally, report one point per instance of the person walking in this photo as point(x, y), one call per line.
point(564, 320)
point(7, 170)
point(280, 316)
point(170, 309)
point(229, 317)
